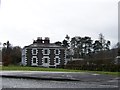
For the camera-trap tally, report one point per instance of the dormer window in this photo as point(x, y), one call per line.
point(34, 51)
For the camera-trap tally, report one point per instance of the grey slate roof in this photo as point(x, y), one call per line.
point(50, 45)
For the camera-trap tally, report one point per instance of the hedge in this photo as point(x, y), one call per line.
point(76, 65)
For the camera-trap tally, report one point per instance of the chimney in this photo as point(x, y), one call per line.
point(39, 40)
point(34, 41)
point(46, 40)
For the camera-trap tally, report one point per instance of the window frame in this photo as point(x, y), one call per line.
point(56, 60)
point(48, 51)
point(36, 62)
point(58, 50)
point(46, 59)
point(36, 51)
point(34, 59)
point(57, 63)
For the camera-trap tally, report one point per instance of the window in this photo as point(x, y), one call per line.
point(45, 60)
point(57, 60)
point(46, 51)
point(34, 60)
point(57, 51)
point(34, 51)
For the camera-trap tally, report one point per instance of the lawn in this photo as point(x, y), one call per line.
point(25, 68)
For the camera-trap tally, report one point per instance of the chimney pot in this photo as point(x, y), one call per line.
point(46, 40)
point(39, 40)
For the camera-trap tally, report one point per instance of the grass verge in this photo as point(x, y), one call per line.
point(25, 68)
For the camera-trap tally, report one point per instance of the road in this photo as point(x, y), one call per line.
point(28, 83)
point(75, 80)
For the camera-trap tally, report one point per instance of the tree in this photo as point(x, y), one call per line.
point(87, 45)
point(16, 55)
point(102, 41)
point(82, 46)
point(101, 44)
point(6, 53)
point(97, 46)
point(65, 43)
point(58, 43)
point(67, 37)
point(10, 54)
point(105, 43)
point(77, 46)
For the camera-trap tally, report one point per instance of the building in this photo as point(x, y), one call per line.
point(44, 54)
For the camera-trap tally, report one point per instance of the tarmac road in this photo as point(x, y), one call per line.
point(37, 79)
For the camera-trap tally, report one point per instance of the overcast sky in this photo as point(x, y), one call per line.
point(21, 21)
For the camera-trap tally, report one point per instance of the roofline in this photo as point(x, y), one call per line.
point(29, 46)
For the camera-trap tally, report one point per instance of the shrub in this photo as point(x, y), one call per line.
point(79, 65)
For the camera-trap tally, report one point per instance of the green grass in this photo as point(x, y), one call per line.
point(106, 72)
point(25, 68)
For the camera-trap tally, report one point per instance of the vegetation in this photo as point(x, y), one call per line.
point(92, 66)
point(10, 54)
point(25, 68)
point(107, 73)
point(84, 46)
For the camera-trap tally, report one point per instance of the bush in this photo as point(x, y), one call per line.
point(79, 65)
